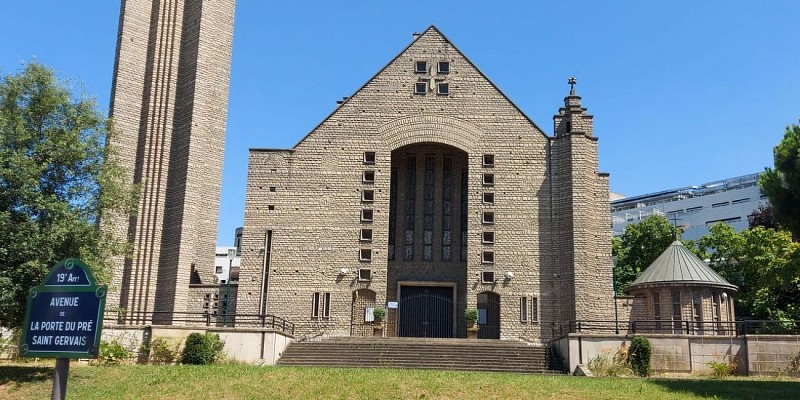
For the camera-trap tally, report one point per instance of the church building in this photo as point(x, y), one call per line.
point(428, 193)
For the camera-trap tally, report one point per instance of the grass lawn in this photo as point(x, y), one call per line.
point(29, 381)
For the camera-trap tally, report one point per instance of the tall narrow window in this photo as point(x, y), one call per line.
point(392, 214)
point(657, 310)
point(697, 312)
point(427, 216)
point(676, 312)
point(715, 312)
point(464, 215)
point(410, 204)
point(326, 306)
point(523, 309)
point(534, 309)
point(447, 208)
point(320, 305)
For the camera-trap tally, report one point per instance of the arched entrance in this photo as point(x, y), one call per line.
point(360, 318)
point(489, 315)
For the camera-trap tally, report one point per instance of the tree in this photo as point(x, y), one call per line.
point(782, 184)
point(764, 264)
point(639, 246)
point(55, 182)
point(762, 216)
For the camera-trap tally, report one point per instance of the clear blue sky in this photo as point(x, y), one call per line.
point(683, 92)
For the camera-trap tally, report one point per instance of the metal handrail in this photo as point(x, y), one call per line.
point(200, 318)
point(680, 327)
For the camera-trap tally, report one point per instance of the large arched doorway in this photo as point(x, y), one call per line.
point(427, 238)
point(361, 315)
point(489, 315)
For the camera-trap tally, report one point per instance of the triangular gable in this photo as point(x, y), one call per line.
point(430, 31)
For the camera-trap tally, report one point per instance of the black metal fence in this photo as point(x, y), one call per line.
point(200, 319)
point(680, 327)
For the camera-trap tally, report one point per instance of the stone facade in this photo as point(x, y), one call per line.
point(169, 106)
point(432, 179)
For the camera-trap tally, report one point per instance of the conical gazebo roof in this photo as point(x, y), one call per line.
point(678, 266)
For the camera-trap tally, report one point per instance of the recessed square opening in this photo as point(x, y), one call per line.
point(444, 67)
point(488, 217)
point(443, 88)
point(366, 215)
point(488, 160)
point(421, 88)
point(487, 257)
point(368, 177)
point(488, 237)
point(366, 235)
point(365, 254)
point(487, 277)
point(368, 196)
point(364, 274)
point(488, 179)
point(421, 67)
point(488, 198)
point(369, 157)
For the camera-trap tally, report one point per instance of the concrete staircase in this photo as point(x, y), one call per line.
point(442, 354)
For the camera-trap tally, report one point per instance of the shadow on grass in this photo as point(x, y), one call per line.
point(733, 389)
point(17, 374)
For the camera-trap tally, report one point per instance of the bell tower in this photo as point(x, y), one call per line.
point(169, 106)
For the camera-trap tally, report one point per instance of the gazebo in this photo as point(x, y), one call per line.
point(679, 294)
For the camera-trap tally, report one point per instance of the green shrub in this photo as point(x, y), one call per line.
point(721, 369)
point(639, 355)
point(378, 314)
point(603, 365)
point(471, 315)
point(202, 349)
point(164, 351)
point(112, 352)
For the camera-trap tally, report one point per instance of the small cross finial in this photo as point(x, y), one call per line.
point(572, 81)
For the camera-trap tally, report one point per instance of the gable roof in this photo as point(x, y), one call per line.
point(431, 30)
point(678, 266)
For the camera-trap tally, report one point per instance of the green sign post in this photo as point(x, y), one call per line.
point(64, 319)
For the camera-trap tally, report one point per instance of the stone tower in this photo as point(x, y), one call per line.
point(581, 232)
point(169, 105)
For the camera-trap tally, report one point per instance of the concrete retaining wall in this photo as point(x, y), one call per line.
point(262, 346)
point(752, 355)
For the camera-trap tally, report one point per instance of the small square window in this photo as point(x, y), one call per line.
point(366, 215)
point(488, 160)
point(487, 257)
point(368, 177)
point(443, 88)
point(365, 254)
point(488, 217)
point(273, 188)
point(488, 237)
point(488, 198)
point(369, 157)
point(366, 235)
point(218, 270)
point(488, 179)
point(270, 207)
point(368, 196)
point(364, 274)
point(487, 277)
point(421, 88)
point(421, 67)
point(444, 67)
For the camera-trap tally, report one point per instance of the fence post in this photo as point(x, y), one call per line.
point(633, 327)
point(208, 318)
point(579, 326)
point(688, 328)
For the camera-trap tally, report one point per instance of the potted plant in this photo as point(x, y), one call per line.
point(378, 314)
point(471, 315)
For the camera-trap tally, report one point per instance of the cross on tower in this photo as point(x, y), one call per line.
point(572, 81)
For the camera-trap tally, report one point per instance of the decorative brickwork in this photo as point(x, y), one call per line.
point(551, 239)
point(169, 105)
